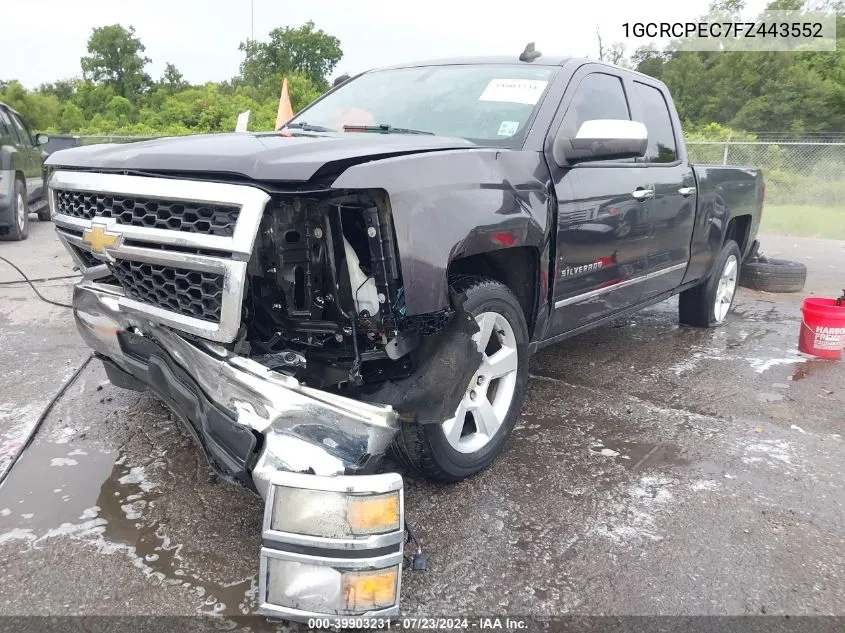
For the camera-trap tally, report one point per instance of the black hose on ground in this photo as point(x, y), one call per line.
point(41, 279)
point(31, 436)
point(34, 289)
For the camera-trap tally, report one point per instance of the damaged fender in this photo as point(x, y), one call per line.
point(453, 204)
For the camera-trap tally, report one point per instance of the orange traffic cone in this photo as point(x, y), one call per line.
point(285, 112)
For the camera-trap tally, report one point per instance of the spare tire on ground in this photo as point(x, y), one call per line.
point(773, 275)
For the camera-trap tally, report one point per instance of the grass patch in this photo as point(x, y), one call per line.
point(804, 220)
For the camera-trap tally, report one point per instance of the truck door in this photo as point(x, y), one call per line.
point(602, 224)
point(30, 158)
point(672, 209)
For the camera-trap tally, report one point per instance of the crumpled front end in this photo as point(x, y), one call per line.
point(332, 536)
point(269, 320)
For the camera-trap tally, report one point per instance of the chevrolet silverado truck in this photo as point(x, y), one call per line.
point(373, 277)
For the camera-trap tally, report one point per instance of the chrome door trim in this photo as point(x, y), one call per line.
point(623, 284)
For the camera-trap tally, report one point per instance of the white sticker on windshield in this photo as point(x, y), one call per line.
point(526, 91)
point(508, 128)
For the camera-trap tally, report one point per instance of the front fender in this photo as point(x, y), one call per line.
point(453, 204)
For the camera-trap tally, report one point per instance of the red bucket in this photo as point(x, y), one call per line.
point(823, 328)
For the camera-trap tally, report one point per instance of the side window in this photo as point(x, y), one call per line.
point(6, 127)
point(598, 96)
point(23, 133)
point(658, 122)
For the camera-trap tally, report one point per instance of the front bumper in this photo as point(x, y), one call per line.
point(259, 428)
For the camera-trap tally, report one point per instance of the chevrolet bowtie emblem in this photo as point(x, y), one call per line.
point(99, 238)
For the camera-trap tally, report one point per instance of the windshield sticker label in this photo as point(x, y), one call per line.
point(508, 128)
point(525, 91)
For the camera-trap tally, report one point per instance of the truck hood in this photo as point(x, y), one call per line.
point(266, 156)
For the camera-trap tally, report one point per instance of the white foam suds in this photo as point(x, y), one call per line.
point(63, 461)
point(138, 476)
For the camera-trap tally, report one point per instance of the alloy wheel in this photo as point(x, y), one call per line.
point(489, 395)
point(22, 211)
point(726, 289)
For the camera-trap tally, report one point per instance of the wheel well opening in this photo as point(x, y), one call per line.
point(516, 268)
point(19, 176)
point(739, 229)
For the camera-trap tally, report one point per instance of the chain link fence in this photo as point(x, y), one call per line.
point(796, 172)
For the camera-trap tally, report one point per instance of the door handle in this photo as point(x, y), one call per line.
point(643, 194)
point(686, 191)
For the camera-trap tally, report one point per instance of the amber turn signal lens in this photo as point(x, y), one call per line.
point(370, 590)
point(373, 514)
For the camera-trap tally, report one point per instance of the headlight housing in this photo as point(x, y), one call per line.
point(333, 588)
point(332, 545)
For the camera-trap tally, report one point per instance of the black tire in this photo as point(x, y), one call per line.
point(773, 275)
point(696, 306)
point(18, 226)
point(44, 214)
point(424, 448)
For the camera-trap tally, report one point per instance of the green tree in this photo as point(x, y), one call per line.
point(306, 50)
point(72, 118)
point(116, 60)
point(40, 111)
point(63, 89)
point(649, 61)
point(172, 79)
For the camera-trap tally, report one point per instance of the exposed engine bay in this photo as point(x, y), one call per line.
point(324, 298)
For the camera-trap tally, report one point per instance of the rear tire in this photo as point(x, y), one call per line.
point(44, 215)
point(708, 304)
point(19, 212)
point(462, 446)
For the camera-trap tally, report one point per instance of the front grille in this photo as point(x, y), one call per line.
point(199, 234)
point(187, 292)
point(190, 217)
point(87, 257)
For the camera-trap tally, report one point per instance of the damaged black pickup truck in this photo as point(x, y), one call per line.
point(373, 277)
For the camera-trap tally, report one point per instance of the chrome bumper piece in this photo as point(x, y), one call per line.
point(303, 430)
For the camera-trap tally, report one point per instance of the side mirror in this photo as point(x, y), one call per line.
point(602, 139)
point(41, 139)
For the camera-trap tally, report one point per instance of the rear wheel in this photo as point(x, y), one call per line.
point(471, 439)
point(708, 304)
point(19, 227)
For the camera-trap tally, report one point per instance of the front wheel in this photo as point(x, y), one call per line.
point(471, 439)
point(19, 210)
point(708, 304)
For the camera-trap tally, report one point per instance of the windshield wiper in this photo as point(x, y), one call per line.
point(307, 127)
point(384, 128)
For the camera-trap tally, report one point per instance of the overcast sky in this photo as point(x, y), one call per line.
point(42, 40)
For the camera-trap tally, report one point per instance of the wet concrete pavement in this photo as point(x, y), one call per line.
point(654, 470)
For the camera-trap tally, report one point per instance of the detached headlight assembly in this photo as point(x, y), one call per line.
point(334, 514)
point(332, 545)
point(324, 589)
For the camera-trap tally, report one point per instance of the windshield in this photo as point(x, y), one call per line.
point(487, 104)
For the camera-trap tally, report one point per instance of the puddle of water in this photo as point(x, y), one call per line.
point(807, 369)
point(768, 397)
point(39, 501)
point(643, 455)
